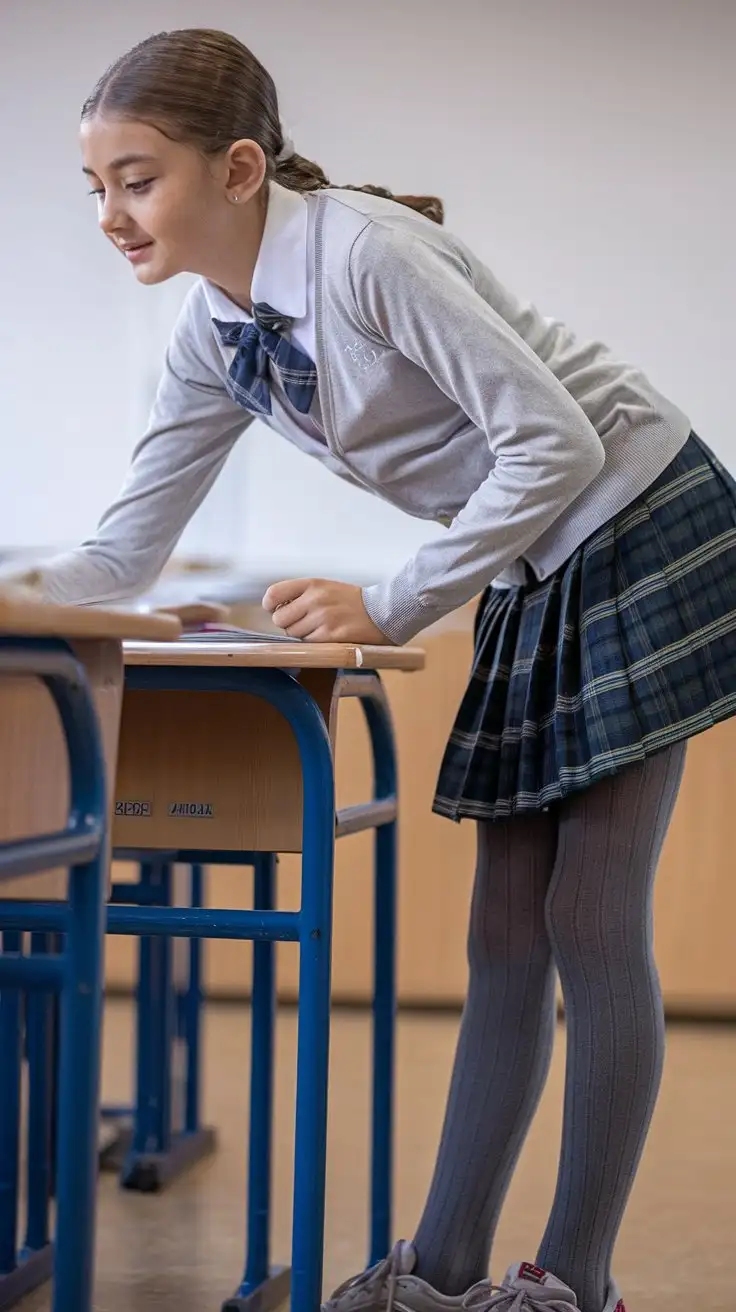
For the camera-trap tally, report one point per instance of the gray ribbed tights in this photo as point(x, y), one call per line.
point(570, 888)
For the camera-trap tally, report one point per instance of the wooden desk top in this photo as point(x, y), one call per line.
point(22, 615)
point(275, 655)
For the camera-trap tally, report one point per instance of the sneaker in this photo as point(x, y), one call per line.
point(530, 1288)
point(391, 1286)
point(526, 1288)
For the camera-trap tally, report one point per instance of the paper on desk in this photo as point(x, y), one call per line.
point(231, 633)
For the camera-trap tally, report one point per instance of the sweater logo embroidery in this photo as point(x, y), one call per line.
point(361, 355)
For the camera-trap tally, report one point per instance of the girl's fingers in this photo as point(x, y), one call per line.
point(293, 612)
point(303, 628)
point(280, 594)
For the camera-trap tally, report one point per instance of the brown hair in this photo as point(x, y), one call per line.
point(205, 88)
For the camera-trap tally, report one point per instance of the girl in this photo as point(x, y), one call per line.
point(600, 531)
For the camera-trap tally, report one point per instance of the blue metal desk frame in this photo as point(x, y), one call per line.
point(76, 974)
point(311, 926)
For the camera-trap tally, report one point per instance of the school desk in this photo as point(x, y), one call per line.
point(226, 755)
point(61, 679)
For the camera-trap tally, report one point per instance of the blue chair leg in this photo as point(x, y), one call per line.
point(269, 1285)
point(384, 1026)
point(79, 1081)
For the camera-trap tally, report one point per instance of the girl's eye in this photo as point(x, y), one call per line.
point(136, 187)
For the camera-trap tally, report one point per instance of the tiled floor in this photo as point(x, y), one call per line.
point(182, 1251)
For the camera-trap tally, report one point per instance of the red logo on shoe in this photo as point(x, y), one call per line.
point(620, 1306)
point(538, 1275)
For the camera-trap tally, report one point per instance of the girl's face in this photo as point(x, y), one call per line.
point(165, 206)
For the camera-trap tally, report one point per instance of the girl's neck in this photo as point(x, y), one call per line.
point(233, 268)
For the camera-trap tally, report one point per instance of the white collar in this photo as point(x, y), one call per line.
point(280, 275)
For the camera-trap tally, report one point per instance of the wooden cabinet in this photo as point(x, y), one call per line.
point(696, 889)
point(695, 901)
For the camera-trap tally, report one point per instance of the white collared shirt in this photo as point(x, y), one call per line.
point(283, 277)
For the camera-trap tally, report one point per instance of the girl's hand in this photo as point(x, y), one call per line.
point(193, 613)
point(319, 610)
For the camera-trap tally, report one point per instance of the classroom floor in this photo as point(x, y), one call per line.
point(181, 1251)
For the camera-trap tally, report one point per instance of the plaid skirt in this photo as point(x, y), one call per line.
point(629, 648)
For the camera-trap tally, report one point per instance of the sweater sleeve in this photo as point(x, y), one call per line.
point(421, 301)
point(192, 428)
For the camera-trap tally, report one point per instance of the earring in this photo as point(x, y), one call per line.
point(235, 199)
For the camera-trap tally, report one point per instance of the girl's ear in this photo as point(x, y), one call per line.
point(246, 169)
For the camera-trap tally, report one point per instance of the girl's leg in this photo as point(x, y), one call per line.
point(503, 1051)
point(599, 920)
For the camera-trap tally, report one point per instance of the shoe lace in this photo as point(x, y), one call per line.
point(387, 1271)
point(506, 1298)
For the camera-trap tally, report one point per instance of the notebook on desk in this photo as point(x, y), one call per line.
point(217, 632)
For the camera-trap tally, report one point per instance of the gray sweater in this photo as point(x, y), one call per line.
point(438, 391)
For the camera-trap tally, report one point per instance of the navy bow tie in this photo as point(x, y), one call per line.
point(260, 345)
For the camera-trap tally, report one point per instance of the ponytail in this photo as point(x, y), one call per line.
point(300, 174)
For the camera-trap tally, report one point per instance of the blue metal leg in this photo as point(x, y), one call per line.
point(58, 946)
point(270, 1285)
point(32, 1267)
point(192, 1028)
point(261, 1088)
point(79, 1076)
point(380, 814)
point(384, 1026)
point(315, 946)
point(10, 1070)
point(160, 1023)
point(41, 1091)
point(384, 982)
point(155, 1034)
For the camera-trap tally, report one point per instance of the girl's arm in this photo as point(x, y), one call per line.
point(193, 427)
point(421, 301)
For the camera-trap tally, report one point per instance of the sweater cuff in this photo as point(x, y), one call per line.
point(71, 579)
point(396, 610)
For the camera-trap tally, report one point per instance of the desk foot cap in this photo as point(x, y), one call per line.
point(32, 1271)
point(272, 1294)
point(149, 1173)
